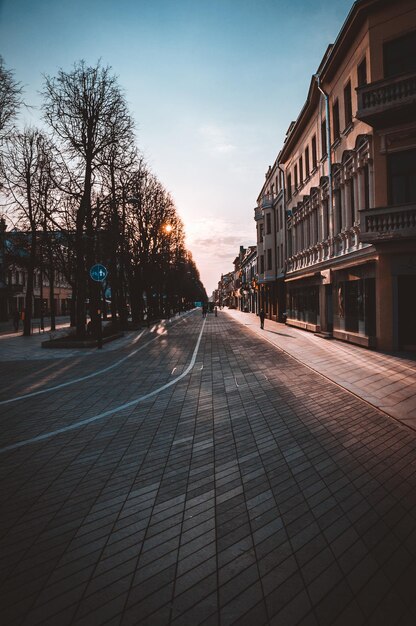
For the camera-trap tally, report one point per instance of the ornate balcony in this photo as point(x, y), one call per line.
point(388, 223)
point(267, 201)
point(388, 101)
point(258, 213)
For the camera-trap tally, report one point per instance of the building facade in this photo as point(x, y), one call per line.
point(269, 215)
point(350, 180)
point(14, 281)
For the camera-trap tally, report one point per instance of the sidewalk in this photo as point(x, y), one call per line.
point(386, 381)
point(6, 328)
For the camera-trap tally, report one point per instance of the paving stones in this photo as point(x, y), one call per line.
point(251, 492)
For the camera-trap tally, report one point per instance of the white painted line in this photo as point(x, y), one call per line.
point(173, 370)
point(121, 407)
point(82, 378)
point(236, 383)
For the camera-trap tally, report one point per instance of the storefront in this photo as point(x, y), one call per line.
point(354, 305)
point(302, 302)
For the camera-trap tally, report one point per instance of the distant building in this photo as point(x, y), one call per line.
point(14, 280)
point(248, 288)
point(269, 215)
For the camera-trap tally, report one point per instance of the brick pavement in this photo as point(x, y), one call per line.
point(387, 381)
point(253, 491)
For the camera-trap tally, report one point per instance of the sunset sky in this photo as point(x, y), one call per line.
point(212, 86)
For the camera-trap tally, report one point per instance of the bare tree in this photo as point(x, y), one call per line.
point(10, 99)
point(25, 176)
point(88, 113)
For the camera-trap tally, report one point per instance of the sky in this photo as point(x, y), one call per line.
point(212, 87)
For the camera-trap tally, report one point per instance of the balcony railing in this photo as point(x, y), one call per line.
point(388, 223)
point(258, 213)
point(267, 201)
point(388, 101)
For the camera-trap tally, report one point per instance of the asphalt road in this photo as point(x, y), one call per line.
point(200, 476)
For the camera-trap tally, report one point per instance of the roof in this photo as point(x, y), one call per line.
point(333, 56)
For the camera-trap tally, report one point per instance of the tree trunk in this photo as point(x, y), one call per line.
point(27, 322)
point(81, 273)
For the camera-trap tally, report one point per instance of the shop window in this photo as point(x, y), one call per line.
point(352, 306)
point(401, 168)
point(399, 55)
point(370, 306)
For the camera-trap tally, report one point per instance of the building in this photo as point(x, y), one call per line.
point(14, 280)
point(269, 215)
point(248, 289)
point(350, 179)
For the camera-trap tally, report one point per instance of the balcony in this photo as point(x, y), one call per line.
point(388, 223)
point(267, 201)
point(388, 102)
point(258, 213)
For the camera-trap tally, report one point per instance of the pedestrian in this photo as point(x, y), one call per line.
point(204, 310)
point(262, 315)
point(16, 318)
point(215, 311)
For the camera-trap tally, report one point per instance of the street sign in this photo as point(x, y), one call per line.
point(98, 272)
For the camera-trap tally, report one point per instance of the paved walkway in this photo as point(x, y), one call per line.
point(207, 478)
point(386, 381)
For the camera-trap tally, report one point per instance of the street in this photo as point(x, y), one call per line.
point(197, 474)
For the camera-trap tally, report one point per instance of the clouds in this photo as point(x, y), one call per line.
point(215, 242)
point(215, 140)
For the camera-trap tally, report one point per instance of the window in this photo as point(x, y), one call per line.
point(399, 55)
point(335, 120)
point(362, 73)
point(366, 187)
point(289, 186)
point(347, 104)
point(261, 232)
point(269, 258)
point(402, 177)
point(306, 162)
point(296, 177)
point(338, 208)
point(325, 206)
point(261, 264)
point(281, 217)
point(268, 224)
point(301, 170)
point(323, 138)
point(350, 187)
point(314, 153)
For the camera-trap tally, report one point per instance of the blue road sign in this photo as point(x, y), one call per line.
point(98, 272)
